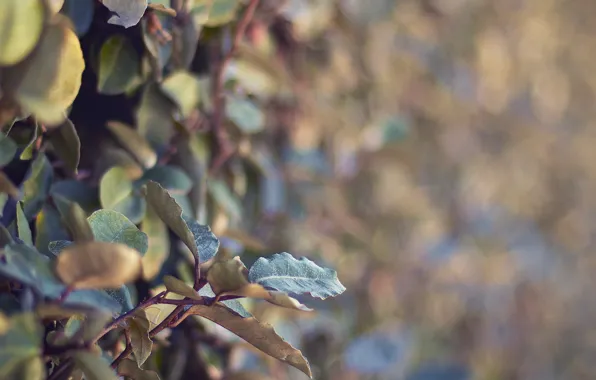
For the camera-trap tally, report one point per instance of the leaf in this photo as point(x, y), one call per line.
point(21, 342)
point(184, 89)
point(55, 6)
point(233, 305)
point(222, 194)
point(98, 265)
point(57, 246)
point(160, 8)
point(88, 326)
point(127, 13)
point(118, 66)
point(123, 297)
point(23, 225)
point(7, 187)
point(168, 210)
point(178, 286)
point(245, 115)
point(134, 143)
point(130, 369)
point(78, 192)
point(283, 272)
point(114, 187)
point(226, 274)
point(155, 314)
point(5, 237)
point(205, 240)
point(48, 81)
point(27, 153)
point(139, 338)
point(222, 12)
point(154, 116)
point(81, 13)
point(67, 145)
point(112, 227)
point(260, 335)
point(48, 228)
point(159, 244)
point(22, 23)
point(75, 219)
point(274, 297)
point(37, 186)
point(174, 180)
point(94, 366)
point(8, 148)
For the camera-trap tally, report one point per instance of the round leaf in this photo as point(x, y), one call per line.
point(49, 79)
point(114, 187)
point(22, 23)
point(245, 115)
point(112, 227)
point(184, 89)
point(177, 286)
point(98, 265)
point(127, 13)
point(118, 66)
point(134, 143)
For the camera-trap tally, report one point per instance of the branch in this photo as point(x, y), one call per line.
point(224, 148)
point(127, 351)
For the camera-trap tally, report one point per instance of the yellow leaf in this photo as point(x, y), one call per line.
point(22, 23)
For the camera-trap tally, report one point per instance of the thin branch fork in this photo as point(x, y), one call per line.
point(224, 146)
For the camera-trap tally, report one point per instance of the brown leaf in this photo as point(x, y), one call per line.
point(261, 335)
point(226, 273)
point(177, 286)
point(274, 297)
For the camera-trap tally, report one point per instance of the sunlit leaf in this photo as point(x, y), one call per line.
point(27, 153)
point(23, 225)
point(274, 297)
point(114, 187)
point(7, 187)
point(98, 265)
point(118, 66)
point(67, 145)
point(134, 143)
point(127, 13)
point(48, 81)
point(226, 273)
point(139, 338)
point(112, 227)
point(178, 286)
point(94, 366)
point(233, 305)
point(20, 343)
point(285, 273)
point(260, 335)
point(22, 23)
point(184, 89)
point(160, 8)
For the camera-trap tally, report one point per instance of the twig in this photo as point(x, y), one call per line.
point(221, 136)
point(124, 354)
point(166, 322)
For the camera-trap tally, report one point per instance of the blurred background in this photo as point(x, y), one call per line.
point(440, 156)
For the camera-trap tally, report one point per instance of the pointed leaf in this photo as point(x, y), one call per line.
point(154, 116)
point(7, 187)
point(159, 243)
point(139, 338)
point(260, 335)
point(127, 13)
point(67, 145)
point(205, 240)
point(48, 81)
point(27, 153)
point(48, 228)
point(114, 187)
point(37, 185)
point(94, 366)
point(98, 265)
point(112, 227)
point(178, 286)
point(22, 23)
point(118, 66)
point(184, 89)
point(78, 192)
point(134, 143)
point(75, 219)
point(130, 369)
point(170, 178)
point(171, 213)
point(285, 273)
point(23, 225)
point(274, 297)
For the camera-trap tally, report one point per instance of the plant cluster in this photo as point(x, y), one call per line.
point(98, 264)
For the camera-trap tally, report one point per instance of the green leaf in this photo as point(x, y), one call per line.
point(224, 197)
point(159, 244)
point(94, 265)
point(5, 237)
point(78, 192)
point(233, 305)
point(118, 66)
point(81, 13)
point(260, 335)
point(245, 115)
point(112, 227)
point(85, 327)
point(184, 89)
point(130, 369)
point(48, 81)
point(123, 297)
point(134, 143)
point(205, 240)
point(67, 145)
point(37, 186)
point(127, 13)
point(48, 228)
point(27, 153)
point(94, 366)
point(7, 187)
point(168, 210)
point(33, 368)
point(74, 218)
point(170, 178)
point(23, 225)
point(283, 272)
point(178, 286)
point(222, 12)
point(139, 338)
point(57, 246)
point(22, 23)
point(226, 273)
point(154, 116)
point(8, 148)
point(114, 187)
point(21, 342)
